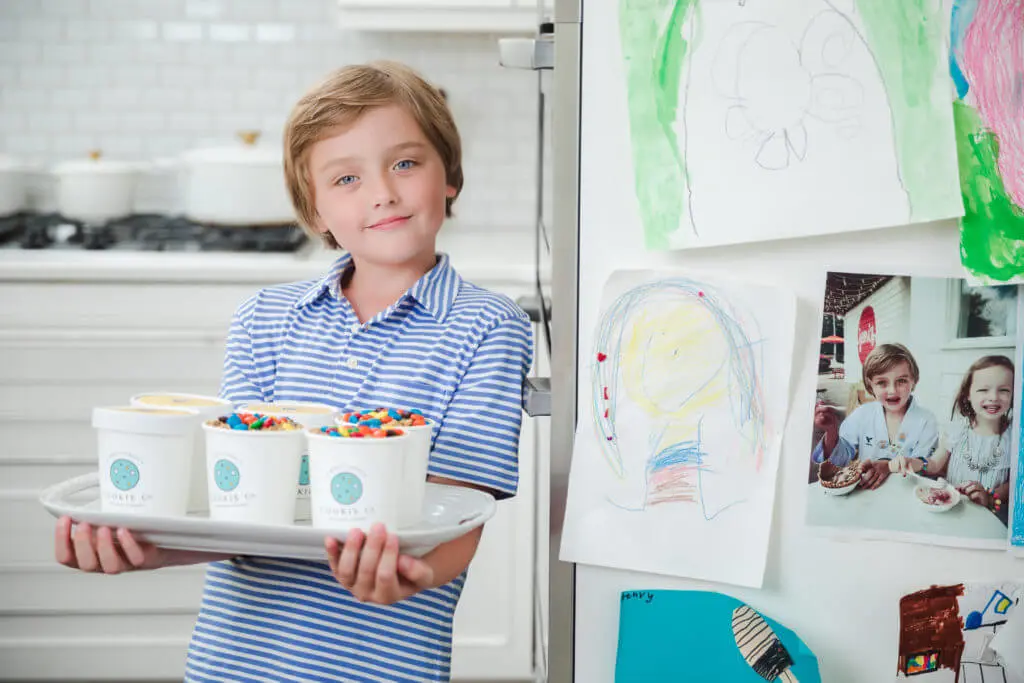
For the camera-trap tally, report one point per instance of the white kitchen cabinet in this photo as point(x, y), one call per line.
point(478, 16)
point(71, 344)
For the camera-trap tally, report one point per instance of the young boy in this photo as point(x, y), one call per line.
point(893, 425)
point(373, 164)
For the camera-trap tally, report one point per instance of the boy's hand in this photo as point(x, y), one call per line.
point(370, 567)
point(903, 465)
point(873, 473)
point(825, 418)
point(95, 550)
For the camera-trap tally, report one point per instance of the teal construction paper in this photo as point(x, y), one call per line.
point(686, 636)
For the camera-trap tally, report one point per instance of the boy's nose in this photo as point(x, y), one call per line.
point(384, 192)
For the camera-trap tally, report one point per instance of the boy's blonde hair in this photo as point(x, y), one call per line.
point(884, 358)
point(341, 99)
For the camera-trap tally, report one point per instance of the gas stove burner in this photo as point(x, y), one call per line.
point(145, 232)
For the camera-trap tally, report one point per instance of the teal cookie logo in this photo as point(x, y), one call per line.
point(124, 474)
point(226, 475)
point(346, 488)
point(304, 471)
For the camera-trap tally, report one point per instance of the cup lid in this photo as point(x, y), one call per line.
point(172, 399)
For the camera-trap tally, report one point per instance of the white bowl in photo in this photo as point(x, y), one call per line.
point(937, 497)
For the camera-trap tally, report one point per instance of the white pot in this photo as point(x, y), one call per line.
point(95, 190)
point(239, 185)
point(13, 186)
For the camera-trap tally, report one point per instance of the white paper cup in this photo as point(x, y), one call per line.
point(207, 407)
point(310, 416)
point(356, 483)
point(414, 485)
point(251, 474)
point(145, 459)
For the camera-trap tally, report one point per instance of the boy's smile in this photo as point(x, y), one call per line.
point(893, 388)
point(379, 188)
point(991, 392)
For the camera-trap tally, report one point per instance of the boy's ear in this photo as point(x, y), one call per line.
point(450, 192)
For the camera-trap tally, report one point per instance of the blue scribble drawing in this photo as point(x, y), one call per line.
point(681, 357)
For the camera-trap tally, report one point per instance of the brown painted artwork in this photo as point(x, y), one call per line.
point(931, 630)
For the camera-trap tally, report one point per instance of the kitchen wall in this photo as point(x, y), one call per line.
point(147, 79)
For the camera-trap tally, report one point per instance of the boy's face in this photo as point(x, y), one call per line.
point(991, 392)
point(892, 388)
point(379, 188)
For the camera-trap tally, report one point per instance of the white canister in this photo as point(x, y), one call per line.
point(95, 190)
point(239, 185)
point(251, 474)
point(145, 459)
point(356, 483)
point(206, 407)
point(13, 186)
point(310, 416)
point(415, 481)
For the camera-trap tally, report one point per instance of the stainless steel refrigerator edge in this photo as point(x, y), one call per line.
point(564, 282)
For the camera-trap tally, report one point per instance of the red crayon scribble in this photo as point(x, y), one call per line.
point(606, 393)
point(606, 412)
point(700, 294)
point(600, 357)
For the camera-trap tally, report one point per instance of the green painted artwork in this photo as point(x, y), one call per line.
point(986, 62)
point(785, 118)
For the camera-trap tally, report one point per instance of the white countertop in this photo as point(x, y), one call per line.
point(498, 266)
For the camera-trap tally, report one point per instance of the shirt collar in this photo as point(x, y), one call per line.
point(435, 291)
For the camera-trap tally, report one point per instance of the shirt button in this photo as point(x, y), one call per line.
point(352, 363)
point(355, 327)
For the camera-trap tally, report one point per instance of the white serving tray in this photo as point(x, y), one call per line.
point(448, 512)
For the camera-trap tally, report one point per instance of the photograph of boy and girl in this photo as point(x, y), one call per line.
point(913, 422)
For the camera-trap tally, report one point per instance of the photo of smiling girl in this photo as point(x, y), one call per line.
point(976, 452)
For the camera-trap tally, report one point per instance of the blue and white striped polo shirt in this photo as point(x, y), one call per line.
point(455, 351)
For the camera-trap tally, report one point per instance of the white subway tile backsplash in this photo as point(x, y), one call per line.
point(87, 30)
point(182, 31)
point(254, 10)
point(87, 76)
point(61, 8)
point(229, 33)
point(135, 30)
point(24, 98)
point(42, 76)
point(204, 9)
point(275, 33)
point(38, 29)
point(92, 121)
point(189, 121)
point(18, 52)
point(120, 98)
point(72, 98)
point(179, 77)
point(146, 79)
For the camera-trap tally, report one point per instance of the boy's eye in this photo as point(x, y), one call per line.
point(346, 180)
point(404, 165)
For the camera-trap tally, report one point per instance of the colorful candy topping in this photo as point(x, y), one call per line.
point(360, 431)
point(386, 418)
point(255, 422)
